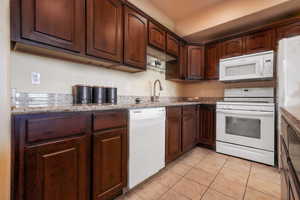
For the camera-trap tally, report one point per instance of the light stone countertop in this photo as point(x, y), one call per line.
point(292, 116)
point(102, 107)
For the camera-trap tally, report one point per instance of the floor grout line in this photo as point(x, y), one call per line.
point(247, 180)
point(214, 179)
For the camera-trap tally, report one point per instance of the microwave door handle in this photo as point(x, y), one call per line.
point(256, 113)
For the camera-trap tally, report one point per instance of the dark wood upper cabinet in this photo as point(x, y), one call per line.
point(207, 125)
point(231, 48)
point(172, 45)
point(183, 52)
point(109, 163)
point(135, 39)
point(173, 133)
point(58, 23)
point(189, 127)
point(156, 36)
point(177, 69)
point(289, 30)
point(212, 61)
point(195, 63)
point(260, 41)
point(57, 170)
point(104, 29)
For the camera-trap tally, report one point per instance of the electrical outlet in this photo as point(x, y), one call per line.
point(35, 78)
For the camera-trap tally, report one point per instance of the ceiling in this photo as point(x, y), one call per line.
point(204, 20)
point(180, 9)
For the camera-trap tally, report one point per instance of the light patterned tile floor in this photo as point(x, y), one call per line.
point(202, 174)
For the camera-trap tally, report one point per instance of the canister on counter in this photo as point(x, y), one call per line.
point(111, 95)
point(99, 95)
point(82, 94)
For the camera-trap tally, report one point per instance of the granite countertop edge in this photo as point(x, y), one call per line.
point(93, 107)
point(292, 116)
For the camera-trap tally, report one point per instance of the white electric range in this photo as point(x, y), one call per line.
point(246, 124)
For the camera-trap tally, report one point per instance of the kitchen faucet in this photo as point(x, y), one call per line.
point(155, 98)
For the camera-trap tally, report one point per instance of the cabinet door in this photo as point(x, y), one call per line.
point(57, 170)
point(172, 45)
point(109, 163)
point(261, 41)
point(157, 36)
point(177, 69)
point(212, 61)
point(288, 30)
point(284, 172)
point(183, 61)
point(135, 39)
point(59, 23)
point(173, 133)
point(104, 29)
point(189, 127)
point(231, 48)
point(195, 63)
point(207, 125)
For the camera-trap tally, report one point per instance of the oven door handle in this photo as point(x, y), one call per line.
point(243, 112)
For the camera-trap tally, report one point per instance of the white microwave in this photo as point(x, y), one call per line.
point(248, 67)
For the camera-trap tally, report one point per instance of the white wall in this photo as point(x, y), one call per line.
point(221, 13)
point(58, 76)
point(4, 102)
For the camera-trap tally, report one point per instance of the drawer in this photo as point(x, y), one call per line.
point(56, 126)
point(189, 110)
point(174, 111)
point(110, 119)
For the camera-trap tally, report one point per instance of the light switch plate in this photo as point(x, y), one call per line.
point(35, 78)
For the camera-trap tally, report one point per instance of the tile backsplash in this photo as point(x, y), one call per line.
point(20, 99)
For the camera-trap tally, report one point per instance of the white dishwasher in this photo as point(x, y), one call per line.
point(146, 144)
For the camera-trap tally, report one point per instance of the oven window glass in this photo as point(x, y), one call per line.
point(243, 127)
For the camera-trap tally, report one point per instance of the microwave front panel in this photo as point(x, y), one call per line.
point(251, 67)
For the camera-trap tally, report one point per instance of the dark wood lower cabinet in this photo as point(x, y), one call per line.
point(109, 163)
point(189, 127)
point(173, 133)
point(57, 157)
point(57, 170)
point(289, 160)
point(207, 125)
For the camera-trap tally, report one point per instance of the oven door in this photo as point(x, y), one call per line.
point(248, 128)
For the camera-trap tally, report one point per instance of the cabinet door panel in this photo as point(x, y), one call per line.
point(157, 36)
point(173, 133)
point(57, 170)
point(104, 29)
point(183, 61)
point(261, 41)
point(172, 45)
point(288, 30)
point(231, 48)
point(195, 62)
point(110, 163)
point(58, 23)
point(135, 39)
point(212, 61)
point(207, 125)
point(189, 127)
